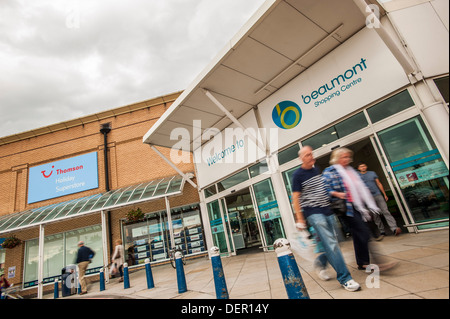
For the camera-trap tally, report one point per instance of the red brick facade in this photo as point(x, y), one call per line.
point(130, 162)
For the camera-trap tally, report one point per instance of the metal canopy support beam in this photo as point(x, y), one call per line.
point(235, 120)
point(185, 176)
point(41, 261)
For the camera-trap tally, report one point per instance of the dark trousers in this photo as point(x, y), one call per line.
point(361, 235)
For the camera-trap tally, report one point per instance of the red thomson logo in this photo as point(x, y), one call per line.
point(62, 171)
point(47, 176)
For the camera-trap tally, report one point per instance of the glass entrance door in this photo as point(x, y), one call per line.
point(419, 169)
point(243, 222)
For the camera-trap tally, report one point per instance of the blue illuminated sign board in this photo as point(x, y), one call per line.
point(69, 176)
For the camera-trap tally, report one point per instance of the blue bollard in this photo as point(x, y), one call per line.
point(148, 272)
point(102, 279)
point(56, 290)
point(219, 276)
point(293, 281)
point(181, 279)
point(126, 276)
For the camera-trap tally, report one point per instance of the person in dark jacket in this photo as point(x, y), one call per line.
point(84, 256)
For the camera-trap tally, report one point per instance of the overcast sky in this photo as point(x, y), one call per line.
point(63, 59)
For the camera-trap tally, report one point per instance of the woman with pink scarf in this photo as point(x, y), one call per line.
point(343, 181)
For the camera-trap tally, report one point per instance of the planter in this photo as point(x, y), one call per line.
point(11, 242)
point(135, 215)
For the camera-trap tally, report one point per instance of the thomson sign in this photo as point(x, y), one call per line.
point(69, 176)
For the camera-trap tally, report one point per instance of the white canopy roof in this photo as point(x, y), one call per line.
point(280, 41)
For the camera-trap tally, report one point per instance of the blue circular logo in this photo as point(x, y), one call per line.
point(286, 115)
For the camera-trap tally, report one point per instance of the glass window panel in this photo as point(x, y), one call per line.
point(53, 256)
point(54, 212)
point(17, 221)
point(84, 205)
point(419, 169)
point(391, 106)
point(31, 262)
point(101, 202)
point(137, 242)
point(158, 237)
point(288, 154)
point(92, 237)
point(211, 190)
point(138, 192)
point(114, 197)
point(149, 190)
point(321, 139)
point(287, 177)
point(443, 87)
point(217, 228)
point(269, 211)
point(258, 169)
point(233, 180)
point(162, 188)
point(125, 196)
point(175, 185)
point(350, 125)
point(60, 250)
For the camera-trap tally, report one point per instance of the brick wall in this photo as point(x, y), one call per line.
point(130, 162)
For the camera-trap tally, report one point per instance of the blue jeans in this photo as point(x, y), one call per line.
point(325, 229)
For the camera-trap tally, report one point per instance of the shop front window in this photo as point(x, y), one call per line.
point(287, 177)
point(419, 169)
point(391, 106)
point(340, 130)
point(217, 226)
point(269, 212)
point(150, 238)
point(60, 250)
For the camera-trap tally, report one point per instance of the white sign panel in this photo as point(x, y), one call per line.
point(355, 74)
point(228, 151)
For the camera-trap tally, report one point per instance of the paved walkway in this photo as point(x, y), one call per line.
point(421, 273)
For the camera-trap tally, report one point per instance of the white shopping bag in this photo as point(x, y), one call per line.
point(302, 245)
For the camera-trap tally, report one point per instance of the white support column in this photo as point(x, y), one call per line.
point(186, 177)
point(41, 261)
point(206, 222)
point(105, 245)
point(169, 221)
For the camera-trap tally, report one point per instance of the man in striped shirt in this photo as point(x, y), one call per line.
point(312, 204)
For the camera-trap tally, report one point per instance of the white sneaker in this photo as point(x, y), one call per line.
point(351, 285)
point(321, 271)
point(323, 275)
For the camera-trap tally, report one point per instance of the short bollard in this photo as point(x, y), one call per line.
point(219, 276)
point(102, 279)
point(56, 290)
point(148, 272)
point(181, 279)
point(293, 281)
point(126, 276)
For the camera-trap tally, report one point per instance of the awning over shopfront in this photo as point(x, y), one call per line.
point(115, 199)
point(282, 39)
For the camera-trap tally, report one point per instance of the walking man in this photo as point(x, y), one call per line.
point(370, 178)
point(84, 256)
point(312, 204)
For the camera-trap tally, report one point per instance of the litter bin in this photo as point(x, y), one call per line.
point(69, 280)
